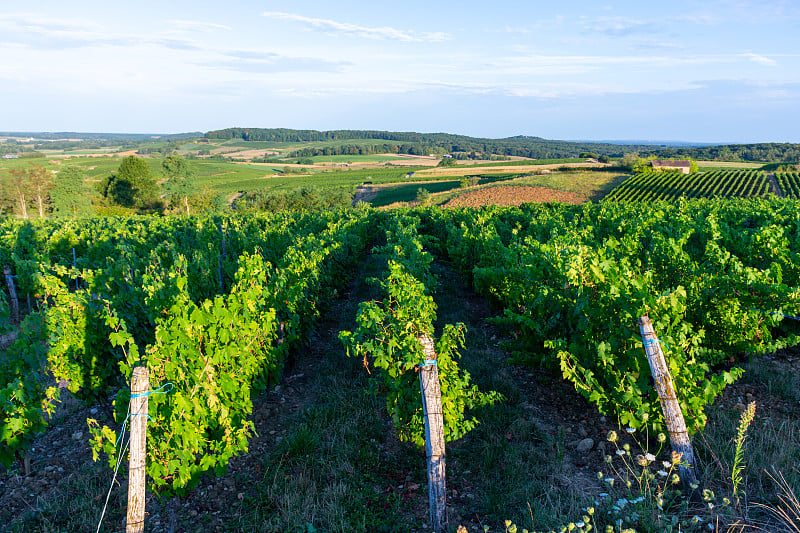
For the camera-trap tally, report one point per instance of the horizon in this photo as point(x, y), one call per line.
point(653, 142)
point(725, 72)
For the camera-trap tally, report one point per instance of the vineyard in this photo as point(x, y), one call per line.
point(673, 184)
point(789, 182)
point(215, 306)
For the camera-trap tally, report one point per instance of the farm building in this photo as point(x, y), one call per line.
point(672, 164)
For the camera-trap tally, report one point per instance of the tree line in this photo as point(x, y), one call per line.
point(521, 146)
point(37, 191)
point(434, 143)
point(767, 152)
point(368, 149)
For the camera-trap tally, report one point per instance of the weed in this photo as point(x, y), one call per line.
point(788, 511)
point(738, 458)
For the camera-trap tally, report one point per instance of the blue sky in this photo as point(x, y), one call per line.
point(710, 71)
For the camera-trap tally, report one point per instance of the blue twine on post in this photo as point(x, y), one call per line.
point(122, 431)
point(161, 390)
point(647, 343)
point(157, 391)
point(428, 362)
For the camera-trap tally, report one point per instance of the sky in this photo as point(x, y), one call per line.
point(712, 71)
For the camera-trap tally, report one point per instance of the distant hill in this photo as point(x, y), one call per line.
point(520, 145)
point(430, 143)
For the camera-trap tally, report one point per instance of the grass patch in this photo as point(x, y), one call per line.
point(407, 193)
point(525, 162)
point(594, 185)
point(373, 158)
point(733, 165)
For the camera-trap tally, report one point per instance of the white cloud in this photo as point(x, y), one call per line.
point(703, 19)
point(193, 25)
point(347, 28)
point(617, 26)
point(45, 33)
point(258, 62)
point(761, 60)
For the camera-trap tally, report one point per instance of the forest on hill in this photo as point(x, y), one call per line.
point(520, 146)
point(428, 143)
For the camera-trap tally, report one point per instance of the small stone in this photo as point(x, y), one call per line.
point(582, 432)
point(585, 445)
point(93, 410)
point(78, 435)
point(739, 407)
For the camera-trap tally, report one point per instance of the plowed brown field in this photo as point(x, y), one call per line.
point(505, 195)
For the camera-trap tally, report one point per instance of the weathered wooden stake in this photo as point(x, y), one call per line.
point(12, 293)
point(434, 436)
point(676, 426)
point(219, 271)
point(140, 386)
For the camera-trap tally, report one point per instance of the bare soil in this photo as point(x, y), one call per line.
point(513, 195)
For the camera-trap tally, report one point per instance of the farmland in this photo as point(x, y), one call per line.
point(288, 339)
point(224, 167)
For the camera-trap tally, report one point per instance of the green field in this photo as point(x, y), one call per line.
point(526, 162)
point(372, 158)
point(730, 165)
point(407, 193)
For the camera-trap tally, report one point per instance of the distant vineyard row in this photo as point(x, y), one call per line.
point(671, 185)
point(789, 182)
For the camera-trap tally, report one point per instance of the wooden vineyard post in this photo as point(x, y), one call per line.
point(676, 425)
point(434, 435)
point(140, 386)
point(12, 293)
